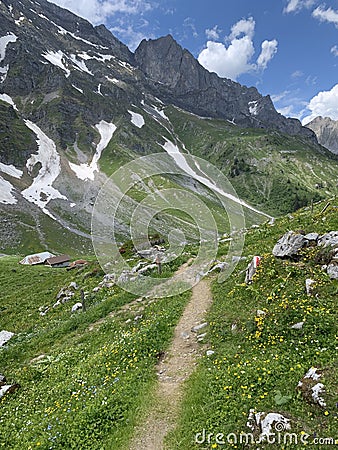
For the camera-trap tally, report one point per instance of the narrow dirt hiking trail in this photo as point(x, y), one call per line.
point(178, 364)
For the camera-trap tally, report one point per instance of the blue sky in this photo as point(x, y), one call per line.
point(286, 48)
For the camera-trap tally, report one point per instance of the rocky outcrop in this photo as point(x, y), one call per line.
point(289, 245)
point(326, 131)
point(180, 79)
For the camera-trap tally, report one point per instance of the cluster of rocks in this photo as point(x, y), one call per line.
point(64, 295)
point(310, 387)
point(289, 246)
point(107, 282)
point(265, 424)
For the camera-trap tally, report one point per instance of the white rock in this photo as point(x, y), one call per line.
point(317, 391)
point(327, 239)
point(267, 423)
point(332, 271)
point(309, 286)
point(312, 373)
point(312, 236)
point(199, 327)
point(77, 306)
point(289, 245)
point(5, 336)
point(4, 389)
point(297, 326)
point(201, 336)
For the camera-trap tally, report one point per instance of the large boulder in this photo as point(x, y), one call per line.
point(289, 245)
point(329, 239)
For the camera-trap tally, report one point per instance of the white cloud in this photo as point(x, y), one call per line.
point(324, 104)
point(131, 37)
point(297, 74)
point(289, 104)
point(228, 62)
point(334, 50)
point(278, 97)
point(212, 33)
point(326, 15)
point(286, 111)
point(311, 80)
point(297, 5)
point(245, 27)
point(269, 48)
point(98, 11)
point(234, 59)
point(189, 23)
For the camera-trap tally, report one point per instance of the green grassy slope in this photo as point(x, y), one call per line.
point(83, 376)
point(258, 361)
point(274, 172)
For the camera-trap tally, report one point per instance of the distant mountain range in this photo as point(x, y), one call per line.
point(326, 131)
point(76, 104)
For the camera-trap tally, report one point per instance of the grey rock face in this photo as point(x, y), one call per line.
point(289, 245)
point(326, 131)
point(178, 77)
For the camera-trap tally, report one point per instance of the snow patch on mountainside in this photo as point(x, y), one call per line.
point(7, 99)
point(6, 195)
point(80, 65)
point(113, 80)
point(160, 112)
point(100, 57)
point(77, 88)
point(3, 73)
point(55, 58)
point(181, 162)
point(253, 108)
point(136, 119)
point(20, 20)
point(4, 41)
point(78, 38)
point(10, 170)
point(41, 191)
point(87, 171)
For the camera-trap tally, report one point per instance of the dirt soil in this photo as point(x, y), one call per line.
point(177, 365)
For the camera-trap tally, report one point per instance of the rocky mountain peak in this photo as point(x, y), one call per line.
point(326, 131)
point(165, 61)
point(180, 79)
